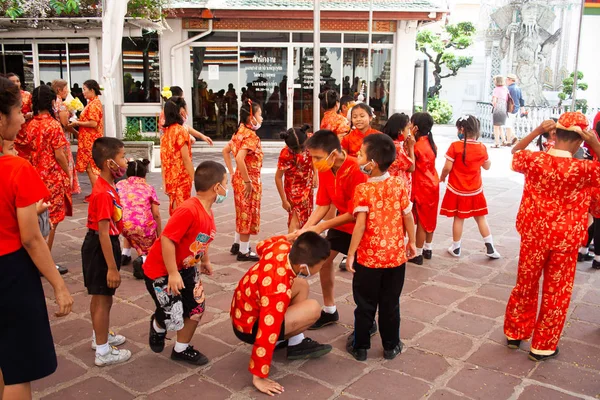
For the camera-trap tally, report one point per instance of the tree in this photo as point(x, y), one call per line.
point(567, 91)
point(438, 47)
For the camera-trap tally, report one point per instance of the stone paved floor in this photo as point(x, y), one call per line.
point(452, 315)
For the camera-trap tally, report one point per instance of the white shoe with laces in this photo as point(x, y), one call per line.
point(114, 356)
point(113, 340)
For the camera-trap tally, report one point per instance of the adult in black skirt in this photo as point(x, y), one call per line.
point(26, 345)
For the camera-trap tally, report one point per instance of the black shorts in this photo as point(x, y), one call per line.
point(94, 265)
point(339, 241)
point(250, 338)
point(171, 311)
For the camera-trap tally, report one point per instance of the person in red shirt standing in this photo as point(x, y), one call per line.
point(398, 128)
point(377, 254)
point(552, 222)
point(171, 269)
point(101, 250)
point(271, 306)
point(425, 193)
point(23, 148)
point(332, 119)
point(464, 194)
point(362, 115)
point(339, 175)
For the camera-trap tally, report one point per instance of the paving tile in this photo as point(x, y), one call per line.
point(210, 347)
point(329, 333)
point(66, 371)
point(156, 369)
point(584, 331)
point(410, 328)
point(384, 384)
point(123, 314)
point(227, 275)
point(297, 387)
point(536, 392)
point(569, 377)
point(444, 342)
point(419, 364)
point(471, 271)
point(328, 368)
point(586, 312)
point(483, 306)
point(497, 292)
point(190, 388)
point(453, 281)
point(420, 310)
point(410, 286)
point(444, 395)
point(438, 295)
point(94, 388)
point(232, 371)
point(131, 288)
point(505, 279)
point(580, 355)
point(501, 358)
point(222, 301)
point(420, 273)
point(222, 331)
point(467, 323)
point(482, 384)
point(66, 333)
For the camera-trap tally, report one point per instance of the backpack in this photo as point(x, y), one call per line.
point(510, 104)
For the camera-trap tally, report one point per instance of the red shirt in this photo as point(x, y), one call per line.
point(263, 295)
point(105, 204)
point(337, 123)
point(352, 142)
point(20, 187)
point(401, 165)
point(385, 200)
point(338, 189)
point(465, 176)
point(192, 229)
point(425, 177)
point(556, 197)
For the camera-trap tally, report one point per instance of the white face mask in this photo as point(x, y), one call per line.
point(254, 126)
point(302, 274)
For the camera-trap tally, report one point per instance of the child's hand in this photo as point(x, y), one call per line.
point(113, 278)
point(350, 263)
point(207, 140)
point(175, 284)
point(41, 206)
point(247, 189)
point(315, 181)
point(546, 126)
point(410, 141)
point(64, 301)
point(411, 250)
point(286, 205)
point(267, 386)
point(206, 268)
point(589, 137)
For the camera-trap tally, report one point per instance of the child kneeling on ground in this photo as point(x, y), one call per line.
point(170, 271)
point(271, 306)
point(378, 254)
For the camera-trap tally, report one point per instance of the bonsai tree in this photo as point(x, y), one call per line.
point(439, 49)
point(567, 91)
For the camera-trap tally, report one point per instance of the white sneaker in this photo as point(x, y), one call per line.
point(114, 356)
point(454, 252)
point(491, 251)
point(113, 340)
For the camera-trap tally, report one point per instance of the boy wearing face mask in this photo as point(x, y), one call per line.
point(377, 254)
point(101, 251)
point(175, 262)
point(271, 305)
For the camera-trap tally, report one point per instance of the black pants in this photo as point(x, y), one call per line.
point(373, 288)
point(594, 233)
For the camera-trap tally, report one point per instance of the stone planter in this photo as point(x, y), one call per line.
point(141, 150)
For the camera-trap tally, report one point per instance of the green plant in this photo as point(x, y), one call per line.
point(132, 133)
point(440, 110)
point(567, 91)
point(438, 47)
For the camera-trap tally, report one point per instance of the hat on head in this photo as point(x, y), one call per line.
point(511, 76)
point(572, 121)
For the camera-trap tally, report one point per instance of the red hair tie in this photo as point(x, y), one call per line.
point(250, 104)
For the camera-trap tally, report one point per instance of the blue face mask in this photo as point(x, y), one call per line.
point(461, 136)
point(220, 197)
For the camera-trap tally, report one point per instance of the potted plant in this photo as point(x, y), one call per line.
point(138, 146)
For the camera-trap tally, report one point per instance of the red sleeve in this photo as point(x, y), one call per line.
point(178, 224)
point(403, 161)
point(520, 161)
point(182, 138)
point(323, 198)
point(346, 142)
point(285, 161)
point(103, 204)
point(451, 153)
point(356, 179)
point(29, 186)
point(361, 200)
point(250, 143)
point(595, 174)
point(153, 196)
point(485, 153)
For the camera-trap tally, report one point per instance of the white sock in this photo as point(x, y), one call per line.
point(427, 246)
point(179, 347)
point(102, 349)
point(488, 239)
point(329, 310)
point(296, 340)
point(158, 328)
point(584, 250)
point(419, 251)
point(279, 342)
point(236, 238)
point(126, 252)
point(244, 247)
point(144, 259)
point(455, 245)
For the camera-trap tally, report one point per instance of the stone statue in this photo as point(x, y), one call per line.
point(527, 43)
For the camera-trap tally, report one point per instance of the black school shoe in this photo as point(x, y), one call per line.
point(513, 343)
point(358, 354)
point(156, 339)
point(325, 319)
point(308, 348)
point(249, 256)
point(391, 354)
point(416, 260)
point(595, 264)
point(343, 266)
point(538, 358)
point(138, 271)
point(125, 260)
point(190, 356)
point(61, 270)
point(235, 249)
point(585, 257)
point(427, 254)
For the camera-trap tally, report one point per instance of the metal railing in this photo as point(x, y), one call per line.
point(524, 124)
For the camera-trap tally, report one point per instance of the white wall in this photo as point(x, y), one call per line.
point(589, 60)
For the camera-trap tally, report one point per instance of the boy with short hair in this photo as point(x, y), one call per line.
point(552, 222)
point(170, 271)
point(271, 303)
point(101, 251)
point(338, 177)
point(378, 253)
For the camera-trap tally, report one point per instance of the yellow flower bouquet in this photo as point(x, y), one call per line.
point(75, 105)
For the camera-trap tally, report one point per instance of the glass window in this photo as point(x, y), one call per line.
point(52, 61)
point(79, 65)
point(331, 37)
point(302, 37)
point(263, 74)
point(214, 94)
point(383, 38)
point(265, 36)
point(141, 72)
point(18, 59)
point(325, 37)
point(231, 37)
point(356, 38)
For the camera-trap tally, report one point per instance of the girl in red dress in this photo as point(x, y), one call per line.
point(362, 115)
point(23, 149)
point(247, 186)
point(332, 119)
point(295, 178)
point(464, 193)
point(398, 128)
point(426, 185)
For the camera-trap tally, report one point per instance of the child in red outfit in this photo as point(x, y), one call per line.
point(175, 261)
point(398, 128)
point(552, 222)
point(295, 169)
point(383, 217)
point(271, 304)
point(362, 115)
point(426, 186)
point(332, 119)
point(464, 194)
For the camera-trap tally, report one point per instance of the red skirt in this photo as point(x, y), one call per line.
point(595, 203)
point(454, 205)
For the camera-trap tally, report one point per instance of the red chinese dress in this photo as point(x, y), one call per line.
point(426, 186)
point(401, 166)
point(21, 144)
point(353, 141)
point(335, 122)
point(177, 181)
point(247, 210)
point(298, 173)
point(44, 136)
point(87, 136)
point(59, 107)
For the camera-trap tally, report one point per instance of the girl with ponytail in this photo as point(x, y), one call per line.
point(332, 119)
